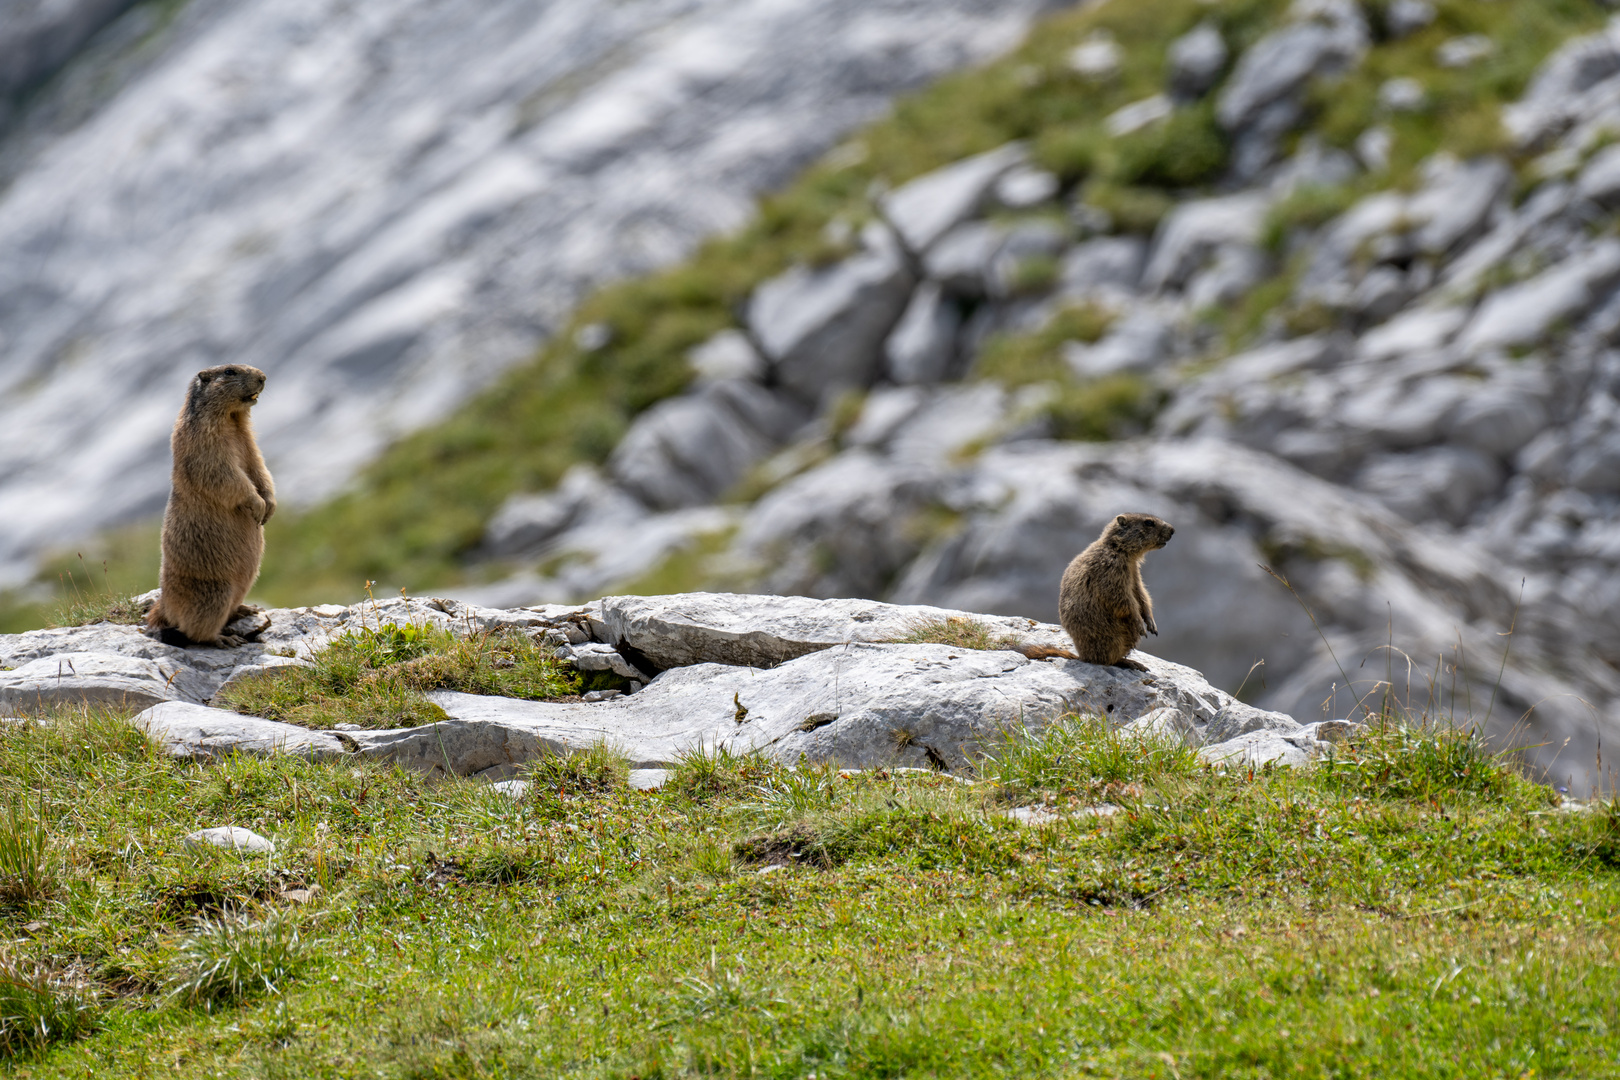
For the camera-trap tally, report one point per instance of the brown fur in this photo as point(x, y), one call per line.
point(1102, 602)
point(213, 527)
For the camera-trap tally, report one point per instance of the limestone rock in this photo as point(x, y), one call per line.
point(823, 330)
point(922, 347)
point(263, 666)
point(232, 838)
point(193, 731)
point(92, 678)
point(1330, 37)
point(688, 450)
point(1197, 59)
point(925, 209)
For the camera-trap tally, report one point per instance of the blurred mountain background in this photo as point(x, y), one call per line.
point(899, 300)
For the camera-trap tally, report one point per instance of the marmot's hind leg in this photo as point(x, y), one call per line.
point(1130, 665)
point(247, 611)
point(208, 608)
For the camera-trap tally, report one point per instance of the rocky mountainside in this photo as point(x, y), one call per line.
point(1419, 433)
point(383, 205)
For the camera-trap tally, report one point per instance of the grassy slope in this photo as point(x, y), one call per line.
point(412, 516)
point(1413, 911)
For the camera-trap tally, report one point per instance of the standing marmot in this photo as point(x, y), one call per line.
point(213, 527)
point(1102, 602)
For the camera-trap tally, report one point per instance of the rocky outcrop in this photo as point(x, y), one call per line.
point(381, 206)
point(1433, 467)
point(787, 677)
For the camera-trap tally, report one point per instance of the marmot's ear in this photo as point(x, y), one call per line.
point(1120, 520)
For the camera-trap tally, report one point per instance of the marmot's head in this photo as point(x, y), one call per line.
point(229, 388)
point(1139, 532)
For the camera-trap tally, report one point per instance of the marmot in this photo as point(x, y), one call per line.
point(1102, 602)
point(213, 527)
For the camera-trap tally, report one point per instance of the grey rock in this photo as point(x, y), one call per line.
point(594, 696)
point(1396, 415)
point(961, 260)
point(1562, 86)
point(515, 790)
point(1024, 187)
point(922, 348)
point(1595, 466)
point(726, 356)
point(596, 656)
point(1499, 420)
point(1405, 94)
point(1420, 330)
point(1098, 58)
point(1464, 51)
point(1193, 231)
point(231, 838)
point(1600, 179)
point(37, 37)
point(1138, 115)
point(840, 529)
point(1236, 719)
point(526, 522)
point(1373, 147)
point(1032, 239)
point(1255, 749)
point(1523, 314)
point(1406, 17)
point(764, 631)
point(1103, 267)
point(688, 450)
point(1138, 342)
point(1380, 294)
point(648, 779)
point(925, 209)
point(92, 678)
point(823, 330)
point(1445, 483)
point(263, 666)
point(1234, 270)
point(1330, 37)
point(1197, 59)
point(185, 730)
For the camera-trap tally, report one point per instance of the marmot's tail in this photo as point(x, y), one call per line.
point(1044, 652)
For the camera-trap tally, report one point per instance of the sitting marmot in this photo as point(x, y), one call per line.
point(1102, 602)
point(213, 527)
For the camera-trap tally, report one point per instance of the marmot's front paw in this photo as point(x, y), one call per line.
point(269, 508)
point(1152, 627)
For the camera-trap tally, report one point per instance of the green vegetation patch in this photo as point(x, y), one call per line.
point(959, 632)
point(1413, 907)
point(378, 678)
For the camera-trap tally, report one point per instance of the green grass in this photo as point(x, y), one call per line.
point(1375, 917)
point(960, 632)
point(379, 677)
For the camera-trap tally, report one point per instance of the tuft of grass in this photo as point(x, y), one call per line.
point(1421, 760)
point(1084, 756)
point(1019, 359)
point(378, 677)
point(594, 771)
point(1307, 207)
point(229, 960)
point(39, 1009)
point(706, 773)
point(25, 851)
point(959, 632)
